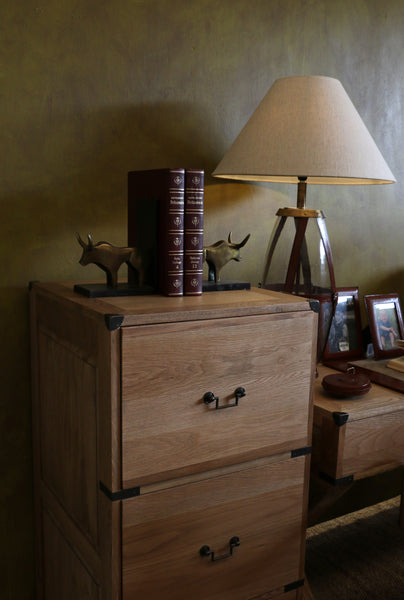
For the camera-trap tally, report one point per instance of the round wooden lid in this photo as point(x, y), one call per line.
point(347, 384)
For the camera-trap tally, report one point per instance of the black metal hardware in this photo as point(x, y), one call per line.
point(121, 494)
point(206, 551)
point(333, 481)
point(314, 305)
point(294, 585)
point(239, 393)
point(300, 451)
point(113, 322)
point(340, 418)
point(210, 397)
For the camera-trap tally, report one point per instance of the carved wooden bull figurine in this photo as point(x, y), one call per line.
point(220, 253)
point(109, 258)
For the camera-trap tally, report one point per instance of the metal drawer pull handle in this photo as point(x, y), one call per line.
point(206, 551)
point(210, 397)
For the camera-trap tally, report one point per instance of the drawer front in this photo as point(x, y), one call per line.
point(168, 430)
point(164, 531)
point(376, 443)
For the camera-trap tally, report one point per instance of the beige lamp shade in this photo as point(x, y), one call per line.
point(305, 127)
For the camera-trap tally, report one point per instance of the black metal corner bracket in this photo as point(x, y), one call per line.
point(113, 322)
point(314, 305)
point(301, 451)
point(121, 495)
point(340, 418)
point(294, 585)
point(340, 481)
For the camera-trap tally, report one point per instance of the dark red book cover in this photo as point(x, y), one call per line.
point(156, 226)
point(193, 243)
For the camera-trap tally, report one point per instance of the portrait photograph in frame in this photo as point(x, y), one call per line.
point(345, 335)
point(385, 324)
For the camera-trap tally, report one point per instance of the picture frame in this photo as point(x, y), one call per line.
point(385, 324)
point(345, 335)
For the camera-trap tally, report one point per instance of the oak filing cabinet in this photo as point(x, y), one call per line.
point(172, 444)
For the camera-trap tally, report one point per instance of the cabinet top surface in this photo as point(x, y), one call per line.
point(156, 308)
point(379, 400)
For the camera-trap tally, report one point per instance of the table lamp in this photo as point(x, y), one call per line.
point(306, 131)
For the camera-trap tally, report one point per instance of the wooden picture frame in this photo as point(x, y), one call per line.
point(345, 335)
point(385, 324)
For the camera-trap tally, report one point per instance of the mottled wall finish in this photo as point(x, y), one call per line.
point(92, 89)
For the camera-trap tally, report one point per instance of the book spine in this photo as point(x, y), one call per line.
point(156, 227)
point(193, 222)
point(171, 242)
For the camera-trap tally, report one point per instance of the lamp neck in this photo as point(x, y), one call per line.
point(301, 192)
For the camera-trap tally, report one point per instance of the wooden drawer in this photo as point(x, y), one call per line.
point(168, 430)
point(361, 448)
point(373, 442)
point(164, 530)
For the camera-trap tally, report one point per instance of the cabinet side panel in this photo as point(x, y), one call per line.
point(68, 420)
point(76, 418)
point(65, 576)
point(109, 408)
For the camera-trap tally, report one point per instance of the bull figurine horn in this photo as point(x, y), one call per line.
point(80, 241)
point(241, 244)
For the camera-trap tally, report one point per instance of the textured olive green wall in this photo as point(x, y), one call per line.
point(90, 90)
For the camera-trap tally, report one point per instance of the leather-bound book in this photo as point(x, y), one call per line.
point(156, 226)
point(193, 243)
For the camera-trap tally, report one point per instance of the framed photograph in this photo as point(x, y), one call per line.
point(385, 324)
point(345, 336)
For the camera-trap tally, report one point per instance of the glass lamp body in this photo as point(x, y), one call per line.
point(299, 261)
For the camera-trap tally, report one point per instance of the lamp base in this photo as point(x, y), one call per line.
point(309, 270)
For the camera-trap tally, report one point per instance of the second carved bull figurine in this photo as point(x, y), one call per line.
point(109, 258)
point(220, 253)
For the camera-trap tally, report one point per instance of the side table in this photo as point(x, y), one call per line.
point(354, 438)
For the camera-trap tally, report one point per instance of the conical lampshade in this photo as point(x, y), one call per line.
point(305, 127)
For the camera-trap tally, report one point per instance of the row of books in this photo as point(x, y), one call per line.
point(165, 223)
